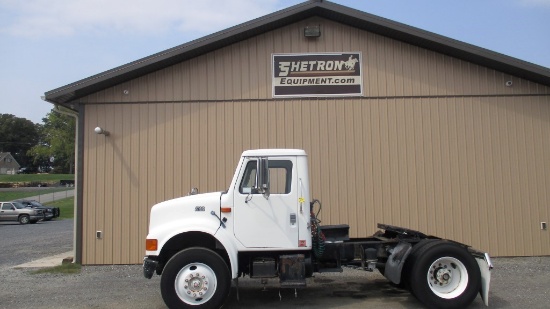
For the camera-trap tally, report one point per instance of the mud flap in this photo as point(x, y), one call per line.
point(485, 267)
point(396, 260)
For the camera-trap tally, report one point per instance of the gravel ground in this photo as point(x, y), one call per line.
point(516, 282)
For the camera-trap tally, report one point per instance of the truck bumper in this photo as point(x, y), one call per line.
point(36, 218)
point(149, 267)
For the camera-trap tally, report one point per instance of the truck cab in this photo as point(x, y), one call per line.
point(274, 216)
point(263, 227)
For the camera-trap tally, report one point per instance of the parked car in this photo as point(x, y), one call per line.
point(49, 212)
point(15, 211)
point(27, 170)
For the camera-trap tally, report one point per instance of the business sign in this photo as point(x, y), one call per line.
point(317, 75)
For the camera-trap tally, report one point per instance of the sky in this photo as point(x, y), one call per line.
point(46, 44)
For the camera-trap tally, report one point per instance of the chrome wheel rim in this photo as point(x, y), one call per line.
point(447, 277)
point(195, 284)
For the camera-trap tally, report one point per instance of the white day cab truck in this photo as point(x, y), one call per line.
point(265, 226)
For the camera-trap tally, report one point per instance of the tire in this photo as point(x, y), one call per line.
point(24, 219)
point(406, 272)
point(195, 278)
point(444, 275)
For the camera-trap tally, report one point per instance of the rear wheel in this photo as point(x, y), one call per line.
point(406, 273)
point(195, 278)
point(444, 275)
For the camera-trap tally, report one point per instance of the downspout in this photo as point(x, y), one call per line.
point(77, 237)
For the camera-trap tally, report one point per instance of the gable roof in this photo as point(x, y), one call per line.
point(4, 155)
point(324, 9)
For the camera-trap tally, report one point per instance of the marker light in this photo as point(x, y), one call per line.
point(151, 244)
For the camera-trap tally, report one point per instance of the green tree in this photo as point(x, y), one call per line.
point(17, 136)
point(57, 142)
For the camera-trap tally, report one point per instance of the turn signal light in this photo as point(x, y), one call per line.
point(151, 244)
point(226, 209)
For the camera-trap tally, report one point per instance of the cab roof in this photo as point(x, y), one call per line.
point(273, 152)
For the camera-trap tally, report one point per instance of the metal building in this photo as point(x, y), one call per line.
point(435, 134)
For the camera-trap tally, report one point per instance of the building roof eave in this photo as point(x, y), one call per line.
point(338, 13)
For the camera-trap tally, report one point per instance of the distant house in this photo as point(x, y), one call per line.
point(8, 164)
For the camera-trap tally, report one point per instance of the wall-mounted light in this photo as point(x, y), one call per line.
point(312, 31)
point(99, 130)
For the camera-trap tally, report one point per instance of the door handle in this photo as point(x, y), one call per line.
point(292, 219)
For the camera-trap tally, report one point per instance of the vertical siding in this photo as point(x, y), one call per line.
point(471, 169)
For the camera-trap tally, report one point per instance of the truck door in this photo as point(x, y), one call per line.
point(7, 212)
point(271, 222)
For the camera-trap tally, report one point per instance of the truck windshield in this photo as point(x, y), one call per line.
point(18, 205)
point(36, 204)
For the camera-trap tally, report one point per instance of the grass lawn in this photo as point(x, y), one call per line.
point(65, 269)
point(66, 207)
point(35, 177)
point(15, 195)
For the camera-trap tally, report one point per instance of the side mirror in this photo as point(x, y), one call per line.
point(262, 176)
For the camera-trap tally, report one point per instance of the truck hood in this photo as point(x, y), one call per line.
point(184, 207)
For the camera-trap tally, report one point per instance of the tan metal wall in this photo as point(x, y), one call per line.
point(242, 71)
point(437, 144)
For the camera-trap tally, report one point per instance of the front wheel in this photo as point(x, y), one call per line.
point(445, 275)
point(24, 219)
point(195, 278)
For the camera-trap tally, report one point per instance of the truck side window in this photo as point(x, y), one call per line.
point(280, 177)
point(249, 178)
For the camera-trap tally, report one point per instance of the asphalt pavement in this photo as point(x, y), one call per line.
point(25, 243)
